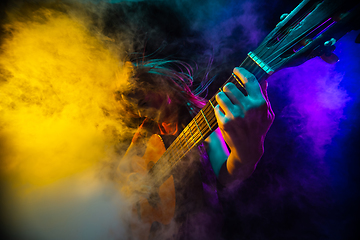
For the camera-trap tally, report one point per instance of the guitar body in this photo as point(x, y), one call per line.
point(160, 209)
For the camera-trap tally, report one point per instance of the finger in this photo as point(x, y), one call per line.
point(224, 102)
point(220, 116)
point(250, 82)
point(235, 95)
point(264, 86)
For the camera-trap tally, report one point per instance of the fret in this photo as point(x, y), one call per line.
point(195, 131)
point(206, 119)
point(192, 135)
point(179, 146)
point(203, 124)
point(176, 150)
point(183, 147)
point(198, 128)
point(188, 138)
point(262, 62)
point(238, 80)
point(169, 157)
point(212, 104)
point(184, 137)
point(210, 114)
point(180, 149)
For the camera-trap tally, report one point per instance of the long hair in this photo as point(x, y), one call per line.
point(171, 79)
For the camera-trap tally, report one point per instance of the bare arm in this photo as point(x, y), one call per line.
point(217, 151)
point(244, 122)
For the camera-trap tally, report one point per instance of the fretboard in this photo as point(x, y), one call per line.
point(304, 33)
point(199, 128)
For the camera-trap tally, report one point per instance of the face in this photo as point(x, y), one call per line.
point(153, 105)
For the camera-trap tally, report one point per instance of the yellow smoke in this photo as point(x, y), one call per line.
point(57, 81)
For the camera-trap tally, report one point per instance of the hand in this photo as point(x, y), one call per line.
point(244, 122)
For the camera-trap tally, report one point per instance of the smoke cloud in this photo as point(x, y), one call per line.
point(58, 120)
point(61, 136)
point(76, 207)
point(316, 102)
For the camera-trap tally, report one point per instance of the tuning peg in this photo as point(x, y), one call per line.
point(327, 54)
point(330, 58)
point(330, 43)
point(283, 16)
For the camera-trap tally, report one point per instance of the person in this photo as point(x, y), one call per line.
point(161, 97)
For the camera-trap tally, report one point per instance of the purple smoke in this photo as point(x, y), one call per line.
point(316, 100)
point(306, 185)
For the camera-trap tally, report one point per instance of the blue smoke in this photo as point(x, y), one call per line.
point(307, 184)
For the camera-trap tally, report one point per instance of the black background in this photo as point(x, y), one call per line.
point(269, 205)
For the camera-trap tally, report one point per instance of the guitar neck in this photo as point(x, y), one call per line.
point(304, 33)
point(200, 127)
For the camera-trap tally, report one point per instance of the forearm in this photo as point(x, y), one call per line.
point(217, 151)
point(237, 169)
point(244, 122)
point(236, 165)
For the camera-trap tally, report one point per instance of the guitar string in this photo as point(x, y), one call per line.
point(196, 137)
point(172, 162)
point(206, 113)
point(296, 22)
point(325, 29)
point(283, 32)
point(303, 35)
point(202, 124)
point(261, 53)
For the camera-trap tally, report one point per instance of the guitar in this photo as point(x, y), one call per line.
point(310, 30)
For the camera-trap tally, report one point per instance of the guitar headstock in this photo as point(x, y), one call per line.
point(310, 30)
